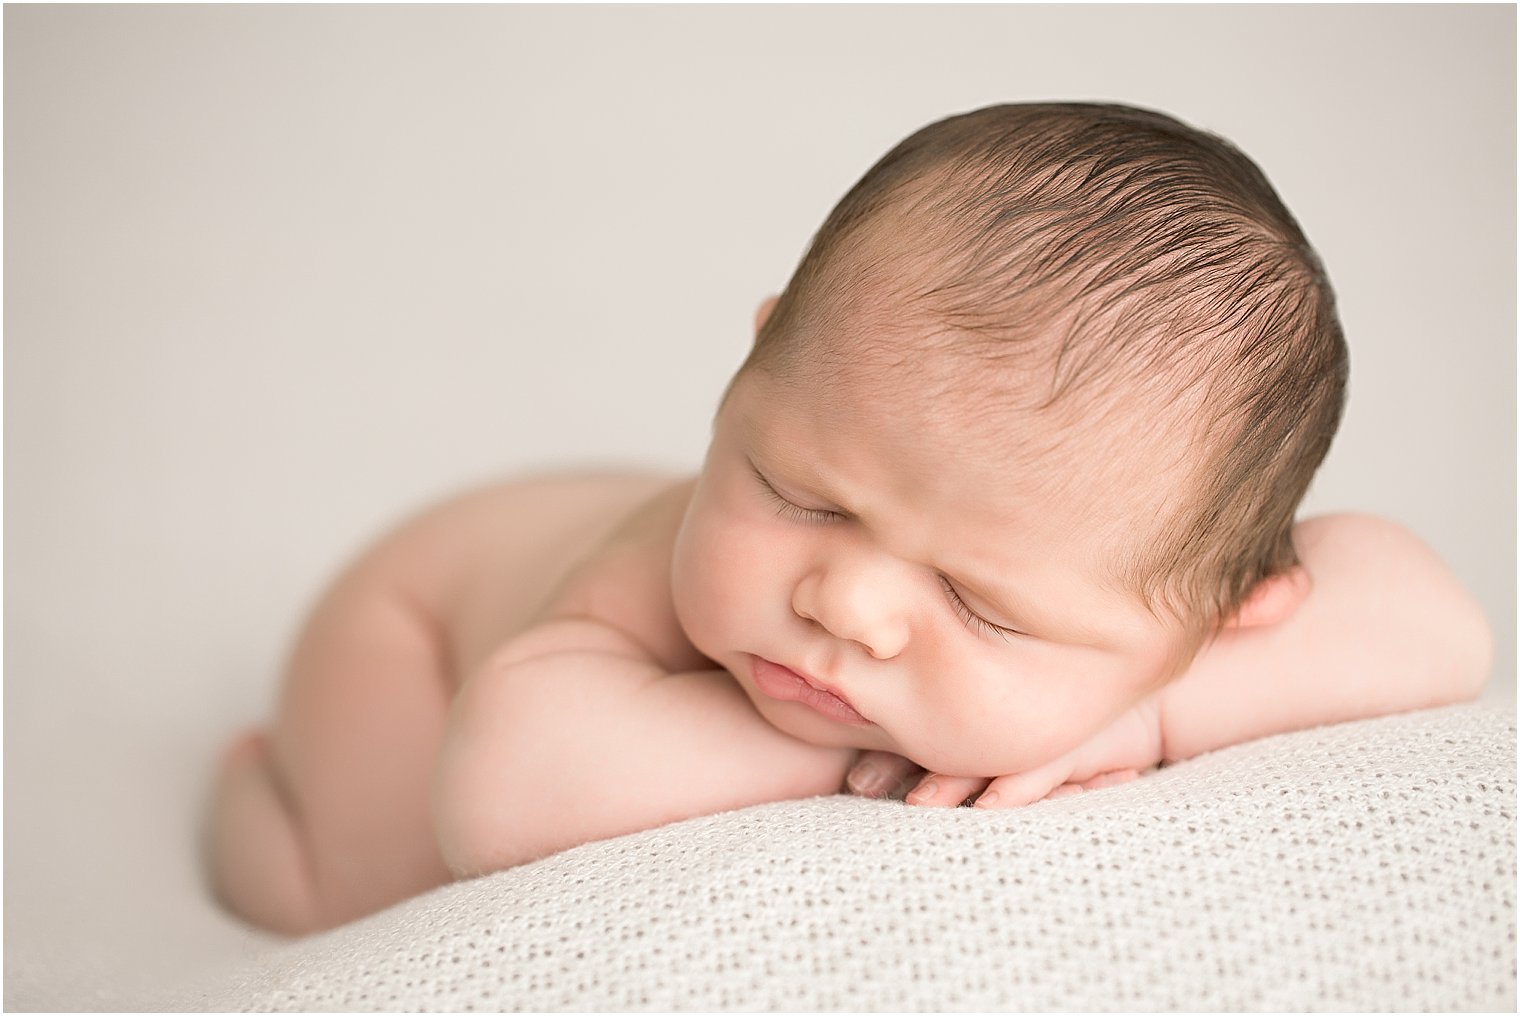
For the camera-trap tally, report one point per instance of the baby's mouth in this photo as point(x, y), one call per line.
point(787, 685)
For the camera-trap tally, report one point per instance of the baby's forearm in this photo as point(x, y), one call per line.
point(1386, 628)
point(570, 746)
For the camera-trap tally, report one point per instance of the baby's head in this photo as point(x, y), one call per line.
point(1086, 329)
point(1100, 267)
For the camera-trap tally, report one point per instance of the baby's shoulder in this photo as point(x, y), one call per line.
point(483, 564)
point(624, 579)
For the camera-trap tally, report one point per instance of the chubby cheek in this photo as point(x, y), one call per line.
point(716, 585)
point(691, 581)
point(972, 728)
point(1017, 711)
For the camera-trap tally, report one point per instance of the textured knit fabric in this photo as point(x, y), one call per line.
point(1363, 866)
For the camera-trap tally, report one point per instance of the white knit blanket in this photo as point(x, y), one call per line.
point(1363, 866)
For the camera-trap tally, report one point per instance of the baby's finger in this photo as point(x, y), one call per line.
point(882, 774)
point(1111, 779)
point(937, 791)
point(1019, 789)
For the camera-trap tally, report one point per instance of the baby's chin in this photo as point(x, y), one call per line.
point(805, 725)
point(957, 758)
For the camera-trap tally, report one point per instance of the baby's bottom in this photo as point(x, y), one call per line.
point(327, 817)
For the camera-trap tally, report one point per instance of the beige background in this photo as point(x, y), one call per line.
point(275, 275)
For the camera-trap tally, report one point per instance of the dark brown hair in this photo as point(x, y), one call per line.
point(1119, 251)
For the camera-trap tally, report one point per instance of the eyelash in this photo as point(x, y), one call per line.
point(787, 510)
point(972, 620)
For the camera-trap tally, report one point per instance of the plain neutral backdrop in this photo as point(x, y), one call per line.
point(276, 276)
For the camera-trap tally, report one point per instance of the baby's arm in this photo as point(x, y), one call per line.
point(1385, 628)
point(572, 733)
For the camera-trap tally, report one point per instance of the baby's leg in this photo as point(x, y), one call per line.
point(328, 818)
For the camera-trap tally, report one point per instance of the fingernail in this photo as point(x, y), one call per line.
point(924, 791)
point(864, 778)
point(987, 800)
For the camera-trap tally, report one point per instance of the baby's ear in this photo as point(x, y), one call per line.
point(763, 313)
point(1272, 599)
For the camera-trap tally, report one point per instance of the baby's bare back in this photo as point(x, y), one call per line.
point(484, 565)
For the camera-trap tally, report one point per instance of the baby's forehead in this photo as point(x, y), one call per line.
point(1020, 398)
point(948, 407)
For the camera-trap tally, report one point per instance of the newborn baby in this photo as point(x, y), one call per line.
point(1005, 491)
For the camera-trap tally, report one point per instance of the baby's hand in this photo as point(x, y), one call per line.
point(1116, 754)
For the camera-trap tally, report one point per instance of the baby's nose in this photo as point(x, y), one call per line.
point(855, 606)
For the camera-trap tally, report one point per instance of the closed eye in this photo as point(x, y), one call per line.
point(788, 509)
point(971, 618)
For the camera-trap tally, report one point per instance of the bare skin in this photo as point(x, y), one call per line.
point(347, 763)
point(364, 792)
point(550, 662)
